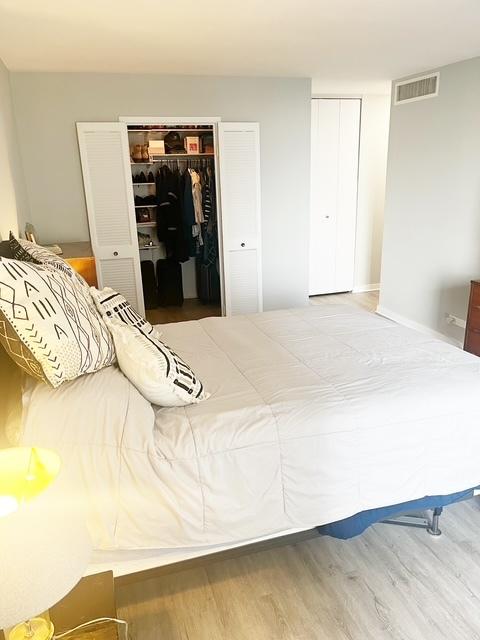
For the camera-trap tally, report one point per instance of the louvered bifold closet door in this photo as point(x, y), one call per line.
point(105, 158)
point(239, 152)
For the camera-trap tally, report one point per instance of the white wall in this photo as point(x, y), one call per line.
point(431, 246)
point(47, 105)
point(372, 170)
point(12, 189)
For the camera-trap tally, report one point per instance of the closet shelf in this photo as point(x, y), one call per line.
point(177, 155)
point(146, 224)
point(153, 246)
point(145, 206)
point(140, 184)
point(158, 130)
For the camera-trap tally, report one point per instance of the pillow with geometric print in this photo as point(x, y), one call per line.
point(160, 374)
point(49, 325)
point(30, 252)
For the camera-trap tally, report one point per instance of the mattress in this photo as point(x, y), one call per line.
point(315, 414)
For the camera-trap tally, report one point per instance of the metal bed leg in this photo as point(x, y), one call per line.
point(434, 529)
point(419, 521)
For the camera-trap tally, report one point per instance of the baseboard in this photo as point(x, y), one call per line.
point(396, 317)
point(363, 288)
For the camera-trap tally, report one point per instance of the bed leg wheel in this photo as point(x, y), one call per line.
point(434, 529)
point(434, 532)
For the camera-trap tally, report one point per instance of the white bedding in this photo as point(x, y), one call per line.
point(315, 414)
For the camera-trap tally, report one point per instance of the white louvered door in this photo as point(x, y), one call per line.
point(105, 158)
point(239, 155)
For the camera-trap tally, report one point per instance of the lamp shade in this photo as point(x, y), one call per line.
point(44, 549)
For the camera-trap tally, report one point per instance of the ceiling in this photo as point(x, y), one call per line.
point(339, 43)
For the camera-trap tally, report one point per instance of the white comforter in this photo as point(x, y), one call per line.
point(315, 414)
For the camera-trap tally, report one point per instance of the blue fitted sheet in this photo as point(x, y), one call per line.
point(355, 525)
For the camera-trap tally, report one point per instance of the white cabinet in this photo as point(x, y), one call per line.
point(105, 159)
point(239, 151)
point(334, 176)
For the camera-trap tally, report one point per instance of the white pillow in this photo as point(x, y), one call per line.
point(160, 375)
point(111, 305)
point(49, 324)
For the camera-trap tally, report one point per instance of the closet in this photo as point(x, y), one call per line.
point(334, 177)
point(174, 211)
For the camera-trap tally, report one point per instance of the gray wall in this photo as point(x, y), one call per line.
point(47, 105)
point(13, 201)
point(431, 247)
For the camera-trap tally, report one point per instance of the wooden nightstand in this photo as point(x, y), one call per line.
point(80, 256)
point(93, 597)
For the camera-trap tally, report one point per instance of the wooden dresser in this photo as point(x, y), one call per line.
point(472, 330)
point(80, 256)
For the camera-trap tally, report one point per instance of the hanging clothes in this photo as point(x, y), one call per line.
point(197, 196)
point(169, 214)
point(188, 213)
point(208, 274)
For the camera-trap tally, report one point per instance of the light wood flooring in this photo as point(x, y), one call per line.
point(390, 583)
point(367, 300)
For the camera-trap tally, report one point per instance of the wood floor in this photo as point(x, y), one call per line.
point(367, 300)
point(390, 583)
point(192, 309)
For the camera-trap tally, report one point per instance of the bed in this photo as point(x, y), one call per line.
point(315, 415)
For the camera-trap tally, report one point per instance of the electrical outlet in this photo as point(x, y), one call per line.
point(458, 322)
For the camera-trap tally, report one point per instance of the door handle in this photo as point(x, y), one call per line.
point(115, 253)
point(242, 244)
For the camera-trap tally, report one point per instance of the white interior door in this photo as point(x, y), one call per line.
point(105, 158)
point(239, 160)
point(334, 166)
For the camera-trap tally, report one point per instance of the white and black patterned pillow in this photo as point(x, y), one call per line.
point(160, 374)
point(31, 252)
point(113, 305)
point(18, 252)
point(54, 319)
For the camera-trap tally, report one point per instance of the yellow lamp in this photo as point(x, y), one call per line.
point(44, 545)
point(24, 473)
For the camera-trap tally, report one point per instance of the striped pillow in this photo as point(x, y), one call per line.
point(30, 252)
point(113, 305)
point(160, 374)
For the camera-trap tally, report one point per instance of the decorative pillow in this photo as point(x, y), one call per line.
point(30, 252)
point(113, 305)
point(160, 375)
point(11, 404)
point(18, 252)
point(5, 249)
point(18, 351)
point(62, 334)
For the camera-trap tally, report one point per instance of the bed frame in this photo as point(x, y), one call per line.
point(431, 525)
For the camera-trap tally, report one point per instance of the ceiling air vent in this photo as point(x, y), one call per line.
point(417, 88)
